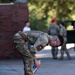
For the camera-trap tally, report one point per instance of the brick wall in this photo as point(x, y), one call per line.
point(12, 18)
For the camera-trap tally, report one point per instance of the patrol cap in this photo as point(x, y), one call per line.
point(53, 20)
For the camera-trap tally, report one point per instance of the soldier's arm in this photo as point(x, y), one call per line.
point(41, 45)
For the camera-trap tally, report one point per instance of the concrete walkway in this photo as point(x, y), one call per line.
point(48, 66)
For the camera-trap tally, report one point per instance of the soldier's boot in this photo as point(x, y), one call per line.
point(68, 55)
point(61, 57)
point(54, 55)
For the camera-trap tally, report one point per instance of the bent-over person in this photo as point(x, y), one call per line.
point(38, 40)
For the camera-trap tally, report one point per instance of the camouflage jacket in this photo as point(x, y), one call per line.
point(36, 38)
point(53, 29)
point(63, 32)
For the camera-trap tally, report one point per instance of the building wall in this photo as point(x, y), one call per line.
point(12, 18)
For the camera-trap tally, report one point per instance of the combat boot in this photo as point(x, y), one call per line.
point(69, 58)
point(61, 58)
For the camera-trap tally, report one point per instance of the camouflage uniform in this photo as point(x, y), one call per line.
point(54, 30)
point(37, 38)
point(63, 32)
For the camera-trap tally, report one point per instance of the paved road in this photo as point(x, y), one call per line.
point(48, 66)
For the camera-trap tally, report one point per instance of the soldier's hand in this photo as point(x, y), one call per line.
point(37, 63)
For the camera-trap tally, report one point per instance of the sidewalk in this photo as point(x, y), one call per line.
point(11, 67)
point(15, 67)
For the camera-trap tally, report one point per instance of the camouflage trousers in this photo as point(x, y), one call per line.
point(64, 49)
point(54, 51)
point(27, 55)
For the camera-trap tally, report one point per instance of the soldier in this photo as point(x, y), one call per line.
point(54, 30)
point(63, 33)
point(38, 40)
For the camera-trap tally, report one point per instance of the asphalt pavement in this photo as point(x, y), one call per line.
point(48, 66)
